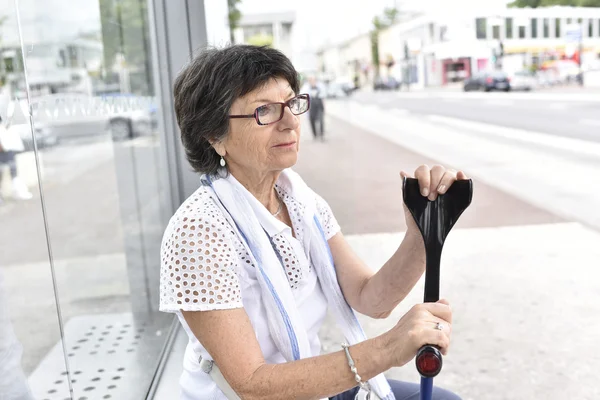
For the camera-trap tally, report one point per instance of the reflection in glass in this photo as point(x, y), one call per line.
point(84, 98)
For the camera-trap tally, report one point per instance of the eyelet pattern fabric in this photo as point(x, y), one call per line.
point(201, 255)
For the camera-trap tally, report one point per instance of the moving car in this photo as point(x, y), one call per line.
point(523, 80)
point(488, 81)
point(387, 83)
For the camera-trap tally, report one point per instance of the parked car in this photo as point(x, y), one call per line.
point(334, 91)
point(137, 117)
point(387, 83)
point(523, 80)
point(568, 71)
point(68, 117)
point(488, 81)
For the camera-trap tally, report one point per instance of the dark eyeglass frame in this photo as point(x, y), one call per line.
point(284, 105)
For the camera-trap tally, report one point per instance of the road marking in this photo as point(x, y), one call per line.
point(385, 100)
point(400, 111)
point(557, 106)
point(542, 139)
point(592, 122)
point(541, 96)
point(501, 103)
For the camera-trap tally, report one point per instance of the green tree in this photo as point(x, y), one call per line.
point(234, 15)
point(3, 71)
point(125, 31)
point(260, 39)
point(548, 3)
point(390, 17)
point(526, 3)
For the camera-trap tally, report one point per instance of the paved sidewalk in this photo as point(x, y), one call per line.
point(521, 280)
point(358, 174)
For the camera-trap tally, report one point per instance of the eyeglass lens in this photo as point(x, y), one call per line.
point(270, 113)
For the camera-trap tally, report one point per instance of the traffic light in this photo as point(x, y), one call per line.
point(501, 49)
point(494, 56)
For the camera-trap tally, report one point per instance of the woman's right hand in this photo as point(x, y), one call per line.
point(418, 328)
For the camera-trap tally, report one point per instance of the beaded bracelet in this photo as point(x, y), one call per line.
point(357, 378)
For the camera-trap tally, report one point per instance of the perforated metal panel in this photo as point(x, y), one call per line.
point(110, 357)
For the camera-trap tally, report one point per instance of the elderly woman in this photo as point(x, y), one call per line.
point(254, 259)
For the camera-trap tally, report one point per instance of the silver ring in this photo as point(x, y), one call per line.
point(439, 326)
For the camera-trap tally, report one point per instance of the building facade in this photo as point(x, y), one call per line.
point(441, 49)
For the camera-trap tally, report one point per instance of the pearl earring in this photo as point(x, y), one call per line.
point(222, 162)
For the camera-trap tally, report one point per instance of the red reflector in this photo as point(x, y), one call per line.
point(429, 361)
point(489, 80)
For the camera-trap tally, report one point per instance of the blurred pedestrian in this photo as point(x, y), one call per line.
point(11, 144)
point(316, 114)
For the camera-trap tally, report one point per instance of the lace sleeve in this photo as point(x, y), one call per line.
point(326, 217)
point(198, 265)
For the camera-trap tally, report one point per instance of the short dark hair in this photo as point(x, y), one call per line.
point(206, 88)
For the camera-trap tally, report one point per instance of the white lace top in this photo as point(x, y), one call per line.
point(201, 256)
point(205, 266)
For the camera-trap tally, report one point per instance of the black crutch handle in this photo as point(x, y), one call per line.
point(435, 219)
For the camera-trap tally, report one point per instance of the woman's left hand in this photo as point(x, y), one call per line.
point(432, 182)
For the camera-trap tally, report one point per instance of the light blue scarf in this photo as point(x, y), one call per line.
point(285, 324)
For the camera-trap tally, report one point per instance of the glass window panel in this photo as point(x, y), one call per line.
point(534, 28)
point(496, 32)
point(29, 326)
point(481, 28)
point(89, 78)
point(509, 28)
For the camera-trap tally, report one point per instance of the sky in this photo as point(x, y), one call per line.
point(49, 19)
point(319, 21)
point(333, 21)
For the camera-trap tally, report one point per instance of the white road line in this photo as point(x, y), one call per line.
point(557, 106)
point(501, 103)
point(591, 122)
point(542, 139)
point(537, 96)
point(400, 111)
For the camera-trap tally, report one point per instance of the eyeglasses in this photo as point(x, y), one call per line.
point(273, 112)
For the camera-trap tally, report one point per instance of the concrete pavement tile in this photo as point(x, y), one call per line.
point(525, 302)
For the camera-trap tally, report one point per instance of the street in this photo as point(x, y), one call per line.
point(568, 114)
point(519, 267)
